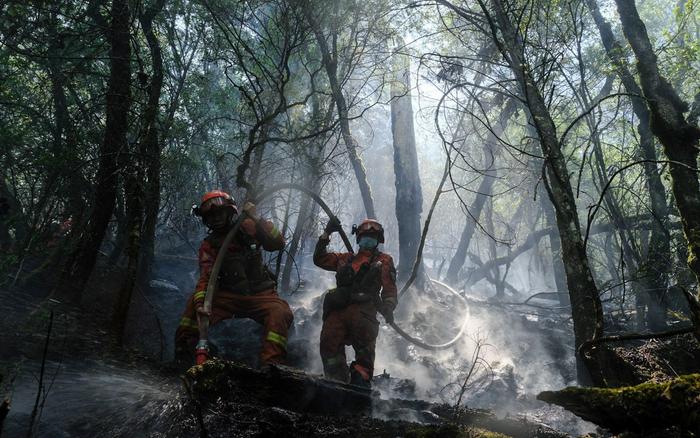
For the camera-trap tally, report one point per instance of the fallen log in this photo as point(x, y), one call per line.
point(295, 391)
point(642, 408)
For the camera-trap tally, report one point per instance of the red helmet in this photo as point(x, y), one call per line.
point(215, 198)
point(368, 226)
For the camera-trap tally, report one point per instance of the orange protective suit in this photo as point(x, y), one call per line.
point(245, 290)
point(356, 324)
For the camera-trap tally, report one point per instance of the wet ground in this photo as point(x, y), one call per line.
point(91, 388)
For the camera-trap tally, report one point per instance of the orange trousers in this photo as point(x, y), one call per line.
point(354, 325)
point(265, 308)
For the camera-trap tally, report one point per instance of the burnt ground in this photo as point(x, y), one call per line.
point(92, 387)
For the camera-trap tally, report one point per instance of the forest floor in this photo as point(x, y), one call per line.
point(85, 385)
point(91, 387)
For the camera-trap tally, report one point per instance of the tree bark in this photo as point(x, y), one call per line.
point(151, 141)
point(457, 262)
point(558, 269)
point(678, 137)
point(586, 306)
point(80, 264)
point(657, 263)
point(409, 198)
point(299, 228)
point(482, 194)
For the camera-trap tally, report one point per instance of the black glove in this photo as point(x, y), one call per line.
point(333, 225)
point(387, 311)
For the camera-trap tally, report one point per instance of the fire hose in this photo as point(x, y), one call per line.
point(212, 286)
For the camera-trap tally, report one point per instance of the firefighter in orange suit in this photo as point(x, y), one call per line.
point(366, 284)
point(246, 287)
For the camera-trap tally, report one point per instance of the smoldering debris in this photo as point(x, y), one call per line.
point(282, 389)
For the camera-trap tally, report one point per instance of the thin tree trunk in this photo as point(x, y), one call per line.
point(142, 183)
point(80, 265)
point(658, 259)
point(586, 306)
point(134, 195)
point(558, 269)
point(330, 63)
point(676, 134)
point(492, 250)
point(482, 194)
point(302, 219)
point(151, 141)
point(457, 262)
point(11, 217)
point(409, 198)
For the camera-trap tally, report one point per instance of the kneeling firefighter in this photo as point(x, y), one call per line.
point(366, 284)
point(246, 286)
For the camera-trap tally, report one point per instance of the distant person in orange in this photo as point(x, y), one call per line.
point(246, 289)
point(366, 284)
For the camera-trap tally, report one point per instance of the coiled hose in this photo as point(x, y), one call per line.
point(211, 287)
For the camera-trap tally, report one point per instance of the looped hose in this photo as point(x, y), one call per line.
point(213, 277)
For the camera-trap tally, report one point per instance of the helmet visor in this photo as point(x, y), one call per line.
point(368, 227)
point(219, 201)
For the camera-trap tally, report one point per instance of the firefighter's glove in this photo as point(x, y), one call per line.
point(251, 211)
point(332, 226)
point(387, 311)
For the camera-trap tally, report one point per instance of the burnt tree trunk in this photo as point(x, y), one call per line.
point(134, 196)
point(409, 198)
point(142, 182)
point(151, 141)
point(677, 135)
point(11, 217)
point(80, 264)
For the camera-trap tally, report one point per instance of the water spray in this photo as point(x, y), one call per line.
point(213, 279)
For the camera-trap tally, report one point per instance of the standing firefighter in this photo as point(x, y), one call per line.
point(246, 287)
point(350, 310)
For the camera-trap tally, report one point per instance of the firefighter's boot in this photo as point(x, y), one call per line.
point(360, 376)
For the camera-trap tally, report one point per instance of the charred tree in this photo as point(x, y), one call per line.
point(81, 262)
point(409, 198)
point(677, 135)
point(11, 217)
point(151, 139)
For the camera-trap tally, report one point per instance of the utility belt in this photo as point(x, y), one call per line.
point(341, 297)
point(247, 288)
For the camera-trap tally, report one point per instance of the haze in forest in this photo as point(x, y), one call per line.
point(533, 164)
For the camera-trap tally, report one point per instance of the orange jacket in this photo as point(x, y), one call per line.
point(263, 233)
point(331, 261)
